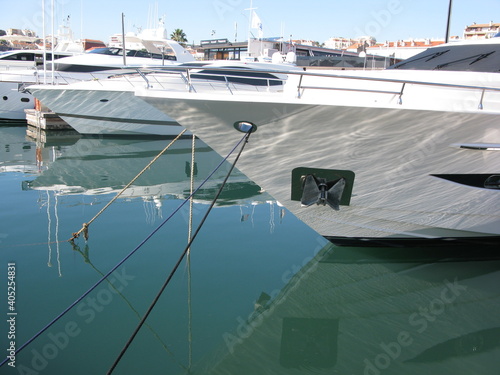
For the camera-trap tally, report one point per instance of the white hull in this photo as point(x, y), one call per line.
point(92, 108)
point(109, 106)
point(116, 127)
point(14, 98)
point(393, 149)
point(13, 103)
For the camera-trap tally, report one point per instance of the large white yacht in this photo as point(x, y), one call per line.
point(407, 152)
point(27, 59)
point(18, 68)
point(109, 106)
point(111, 59)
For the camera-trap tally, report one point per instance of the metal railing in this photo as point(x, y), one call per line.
point(234, 79)
point(37, 77)
point(214, 77)
point(253, 74)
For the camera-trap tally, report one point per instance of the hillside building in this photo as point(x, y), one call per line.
point(481, 31)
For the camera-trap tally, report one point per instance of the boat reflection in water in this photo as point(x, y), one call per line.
point(373, 311)
point(96, 166)
point(101, 168)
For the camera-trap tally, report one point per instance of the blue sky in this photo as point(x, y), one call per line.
point(316, 20)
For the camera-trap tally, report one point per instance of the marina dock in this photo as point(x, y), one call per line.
point(43, 123)
point(45, 120)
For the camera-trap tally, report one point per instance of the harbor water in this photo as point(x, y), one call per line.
point(258, 292)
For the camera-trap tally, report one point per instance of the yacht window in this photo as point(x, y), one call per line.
point(164, 57)
point(142, 54)
point(475, 57)
point(105, 51)
point(467, 57)
point(21, 57)
point(420, 57)
point(249, 78)
point(48, 57)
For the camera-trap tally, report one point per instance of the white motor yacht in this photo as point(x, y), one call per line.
point(27, 59)
point(109, 106)
point(408, 152)
point(18, 67)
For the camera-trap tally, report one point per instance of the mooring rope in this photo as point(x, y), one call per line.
point(188, 260)
point(176, 266)
point(85, 226)
point(129, 304)
point(79, 299)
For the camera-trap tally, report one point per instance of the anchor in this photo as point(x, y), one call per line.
point(322, 192)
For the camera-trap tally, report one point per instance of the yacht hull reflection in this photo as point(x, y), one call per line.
point(352, 311)
point(94, 166)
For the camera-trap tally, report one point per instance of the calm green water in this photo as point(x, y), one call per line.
point(260, 294)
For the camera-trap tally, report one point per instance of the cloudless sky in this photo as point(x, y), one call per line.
point(207, 19)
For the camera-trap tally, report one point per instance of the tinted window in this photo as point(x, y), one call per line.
point(21, 57)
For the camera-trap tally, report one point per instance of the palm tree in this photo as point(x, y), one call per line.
point(179, 36)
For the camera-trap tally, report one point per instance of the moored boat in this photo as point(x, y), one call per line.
point(109, 106)
point(400, 153)
point(97, 63)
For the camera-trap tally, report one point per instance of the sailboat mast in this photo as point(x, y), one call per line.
point(44, 44)
point(250, 23)
point(250, 27)
point(52, 40)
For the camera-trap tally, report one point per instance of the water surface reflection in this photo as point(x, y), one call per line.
point(260, 292)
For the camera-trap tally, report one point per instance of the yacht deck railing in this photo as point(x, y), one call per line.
point(231, 74)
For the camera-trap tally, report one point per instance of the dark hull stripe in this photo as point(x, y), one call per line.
point(123, 120)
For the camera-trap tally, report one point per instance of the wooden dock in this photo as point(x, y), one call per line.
point(45, 120)
point(44, 124)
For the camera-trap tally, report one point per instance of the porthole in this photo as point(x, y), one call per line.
point(104, 100)
point(5, 98)
point(25, 100)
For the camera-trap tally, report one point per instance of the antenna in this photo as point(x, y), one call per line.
point(447, 36)
point(123, 40)
point(250, 21)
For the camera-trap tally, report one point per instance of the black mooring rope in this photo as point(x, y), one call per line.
point(48, 325)
point(174, 269)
